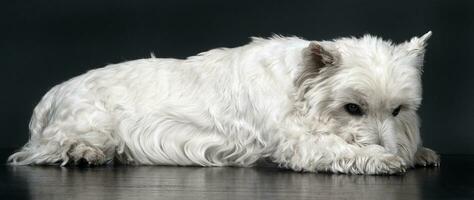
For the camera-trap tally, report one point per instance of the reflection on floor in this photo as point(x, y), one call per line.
point(454, 179)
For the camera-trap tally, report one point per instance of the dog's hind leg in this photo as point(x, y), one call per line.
point(56, 146)
point(68, 132)
point(62, 150)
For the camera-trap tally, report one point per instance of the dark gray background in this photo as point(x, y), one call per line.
point(43, 43)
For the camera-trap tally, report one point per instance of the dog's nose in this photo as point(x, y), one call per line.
point(380, 141)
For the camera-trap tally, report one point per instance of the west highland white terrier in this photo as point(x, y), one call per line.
point(346, 106)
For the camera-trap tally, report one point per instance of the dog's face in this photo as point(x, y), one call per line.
point(371, 90)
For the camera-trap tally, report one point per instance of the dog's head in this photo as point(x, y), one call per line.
point(366, 89)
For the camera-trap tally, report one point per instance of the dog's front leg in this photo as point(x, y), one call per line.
point(426, 157)
point(330, 153)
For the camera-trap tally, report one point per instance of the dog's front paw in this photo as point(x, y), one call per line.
point(385, 164)
point(426, 157)
point(373, 160)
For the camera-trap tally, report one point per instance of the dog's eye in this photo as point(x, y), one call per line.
point(353, 109)
point(396, 111)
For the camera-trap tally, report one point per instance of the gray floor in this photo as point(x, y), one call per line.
point(453, 180)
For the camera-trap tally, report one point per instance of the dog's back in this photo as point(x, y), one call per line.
point(167, 111)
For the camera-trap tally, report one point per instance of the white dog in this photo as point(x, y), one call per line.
point(344, 106)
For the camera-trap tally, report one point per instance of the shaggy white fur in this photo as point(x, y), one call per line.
point(345, 106)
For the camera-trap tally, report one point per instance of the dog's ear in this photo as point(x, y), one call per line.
point(416, 45)
point(416, 48)
point(316, 56)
